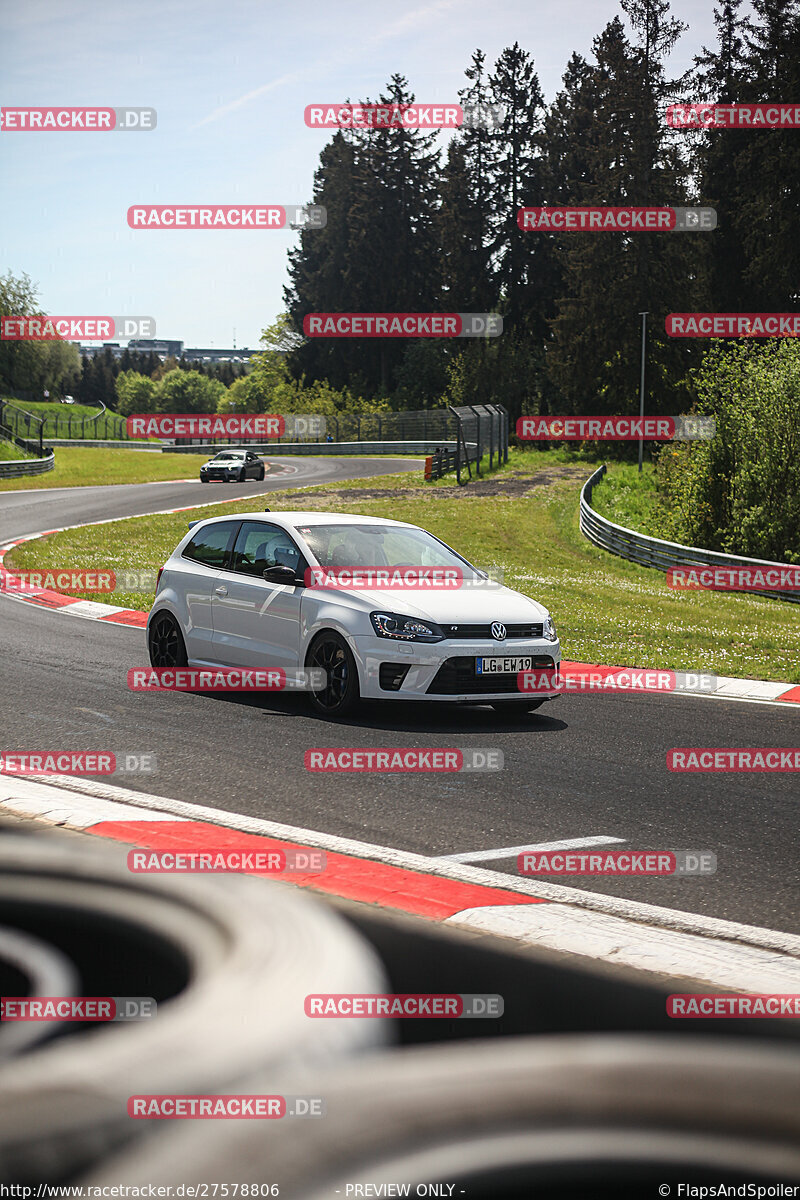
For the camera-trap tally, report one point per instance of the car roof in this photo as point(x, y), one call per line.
point(294, 520)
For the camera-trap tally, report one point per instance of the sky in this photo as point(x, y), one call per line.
point(230, 83)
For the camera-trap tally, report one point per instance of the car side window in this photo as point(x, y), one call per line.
point(260, 545)
point(210, 545)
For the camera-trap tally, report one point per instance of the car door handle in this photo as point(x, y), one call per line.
point(221, 591)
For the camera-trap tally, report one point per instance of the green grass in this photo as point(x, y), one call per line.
point(81, 466)
point(606, 610)
point(628, 498)
point(9, 452)
point(58, 417)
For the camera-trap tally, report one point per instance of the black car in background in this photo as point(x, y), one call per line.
point(231, 466)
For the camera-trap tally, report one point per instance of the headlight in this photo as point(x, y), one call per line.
point(405, 629)
point(549, 630)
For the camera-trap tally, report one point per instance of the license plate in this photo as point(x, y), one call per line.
point(503, 666)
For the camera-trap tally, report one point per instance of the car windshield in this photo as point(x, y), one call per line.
point(380, 546)
point(226, 455)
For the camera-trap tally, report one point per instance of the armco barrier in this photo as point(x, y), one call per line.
point(652, 552)
point(27, 466)
point(298, 448)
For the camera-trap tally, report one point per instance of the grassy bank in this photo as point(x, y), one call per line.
point(9, 452)
point(82, 466)
point(523, 520)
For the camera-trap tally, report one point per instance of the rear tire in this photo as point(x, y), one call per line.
point(165, 643)
point(330, 652)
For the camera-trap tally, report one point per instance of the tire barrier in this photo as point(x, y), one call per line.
point(30, 967)
point(550, 1117)
point(228, 959)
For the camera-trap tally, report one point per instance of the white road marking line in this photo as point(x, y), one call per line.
point(513, 851)
point(652, 918)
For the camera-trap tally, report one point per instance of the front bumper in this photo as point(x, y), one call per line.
point(445, 671)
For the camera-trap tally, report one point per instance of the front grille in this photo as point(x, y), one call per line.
point(458, 675)
point(391, 676)
point(529, 630)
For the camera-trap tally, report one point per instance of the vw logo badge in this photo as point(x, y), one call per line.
point(498, 631)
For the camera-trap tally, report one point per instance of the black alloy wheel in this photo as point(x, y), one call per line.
point(165, 642)
point(329, 652)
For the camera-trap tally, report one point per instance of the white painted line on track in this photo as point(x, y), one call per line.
point(650, 919)
point(473, 856)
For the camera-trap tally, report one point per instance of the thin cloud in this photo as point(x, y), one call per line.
point(408, 23)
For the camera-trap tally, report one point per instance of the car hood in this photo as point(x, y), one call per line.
point(227, 463)
point(486, 603)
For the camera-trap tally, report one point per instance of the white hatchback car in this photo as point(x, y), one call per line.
point(255, 591)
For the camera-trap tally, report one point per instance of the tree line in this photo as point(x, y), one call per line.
point(413, 228)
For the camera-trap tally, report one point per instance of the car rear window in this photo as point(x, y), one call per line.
point(209, 545)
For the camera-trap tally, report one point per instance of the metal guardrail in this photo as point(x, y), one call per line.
point(27, 466)
point(440, 463)
point(652, 552)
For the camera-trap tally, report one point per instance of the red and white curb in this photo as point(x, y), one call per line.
point(757, 691)
point(585, 924)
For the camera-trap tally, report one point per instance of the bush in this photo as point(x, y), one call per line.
point(740, 492)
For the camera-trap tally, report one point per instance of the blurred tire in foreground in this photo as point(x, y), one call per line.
point(229, 961)
point(549, 1117)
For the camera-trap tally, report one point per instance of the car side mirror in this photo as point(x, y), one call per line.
point(280, 574)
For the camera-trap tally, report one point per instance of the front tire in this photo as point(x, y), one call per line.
point(330, 652)
point(165, 643)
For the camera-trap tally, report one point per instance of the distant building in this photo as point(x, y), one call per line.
point(166, 348)
point(159, 346)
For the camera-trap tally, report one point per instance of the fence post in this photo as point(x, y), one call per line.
point(478, 440)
